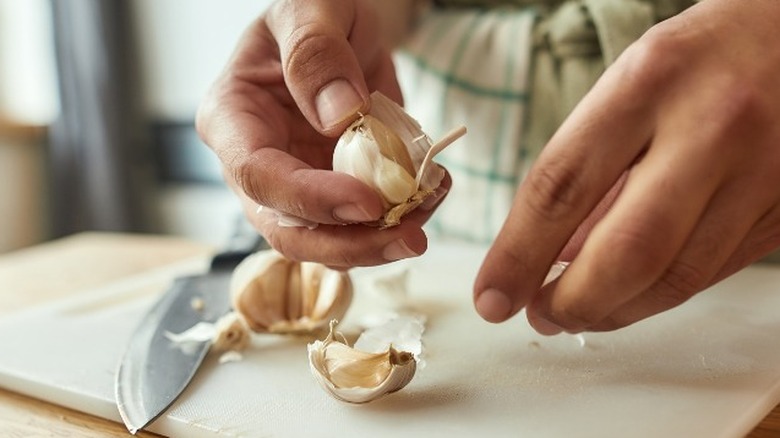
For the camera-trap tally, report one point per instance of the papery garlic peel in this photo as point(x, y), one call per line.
point(385, 149)
point(229, 333)
point(277, 295)
point(232, 333)
point(356, 376)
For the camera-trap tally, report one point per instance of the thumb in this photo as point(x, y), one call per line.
point(325, 47)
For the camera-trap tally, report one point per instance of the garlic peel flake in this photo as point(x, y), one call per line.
point(229, 333)
point(286, 220)
point(403, 332)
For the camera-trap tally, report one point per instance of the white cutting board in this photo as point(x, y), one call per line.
point(708, 369)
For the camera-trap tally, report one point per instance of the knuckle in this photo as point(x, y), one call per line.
point(610, 323)
point(274, 240)
point(740, 113)
point(577, 317)
point(651, 61)
point(308, 52)
point(343, 258)
point(202, 119)
point(679, 283)
point(554, 191)
point(299, 200)
point(638, 250)
point(285, 247)
point(286, 242)
point(243, 172)
point(208, 120)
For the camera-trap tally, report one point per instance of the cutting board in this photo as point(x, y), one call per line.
point(710, 368)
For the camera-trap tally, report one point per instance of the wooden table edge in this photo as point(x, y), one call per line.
point(21, 415)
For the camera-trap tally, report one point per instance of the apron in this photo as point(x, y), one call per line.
point(510, 71)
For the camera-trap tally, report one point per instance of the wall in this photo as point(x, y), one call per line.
point(183, 47)
point(23, 212)
point(28, 102)
point(28, 88)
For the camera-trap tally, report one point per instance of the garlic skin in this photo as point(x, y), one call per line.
point(232, 333)
point(356, 376)
point(276, 295)
point(229, 334)
point(386, 149)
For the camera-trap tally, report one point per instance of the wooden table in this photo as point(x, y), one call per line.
point(55, 269)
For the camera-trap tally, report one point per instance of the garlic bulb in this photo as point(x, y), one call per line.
point(387, 150)
point(357, 376)
point(277, 295)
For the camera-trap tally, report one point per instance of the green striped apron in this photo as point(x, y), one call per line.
point(510, 71)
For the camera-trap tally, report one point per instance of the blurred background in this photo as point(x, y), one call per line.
point(97, 101)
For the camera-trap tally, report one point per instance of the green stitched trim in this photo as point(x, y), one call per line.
point(522, 152)
point(457, 57)
point(436, 35)
point(451, 80)
point(435, 224)
point(454, 63)
point(463, 235)
point(476, 173)
point(427, 46)
point(506, 98)
point(500, 131)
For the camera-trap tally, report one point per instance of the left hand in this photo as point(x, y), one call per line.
point(298, 77)
point(664, 180)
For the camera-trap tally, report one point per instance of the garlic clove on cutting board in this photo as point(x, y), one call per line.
point(357, 376)
point(276, 295)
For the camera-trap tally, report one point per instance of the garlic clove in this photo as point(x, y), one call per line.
point(411, 134)
point(277, 295)
point(259, 289)
point(390, 145)
point(387, 150)
point(356, 376)
point(325, 290)
point(360, 154)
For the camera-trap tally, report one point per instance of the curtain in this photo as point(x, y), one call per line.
point(98, 150)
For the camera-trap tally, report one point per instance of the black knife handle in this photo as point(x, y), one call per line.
point(244, 241)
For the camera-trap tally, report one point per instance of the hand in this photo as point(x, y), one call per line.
point(297, 79)
point(663, 181)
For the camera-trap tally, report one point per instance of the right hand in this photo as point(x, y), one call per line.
point(298, 78)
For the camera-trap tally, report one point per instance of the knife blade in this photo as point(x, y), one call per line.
point(154, 371)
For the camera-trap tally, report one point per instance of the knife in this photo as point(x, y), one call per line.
point(154, 371)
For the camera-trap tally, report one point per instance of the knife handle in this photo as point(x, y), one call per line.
point(244, 241)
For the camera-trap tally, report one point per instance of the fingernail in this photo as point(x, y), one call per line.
point(351, 213)
point(397, 250)
point(336, 101)
point(433, 200)
point(493, 305)
point(545, 327)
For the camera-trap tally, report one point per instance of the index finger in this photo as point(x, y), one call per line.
point(604, 134)
point(259, 167)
